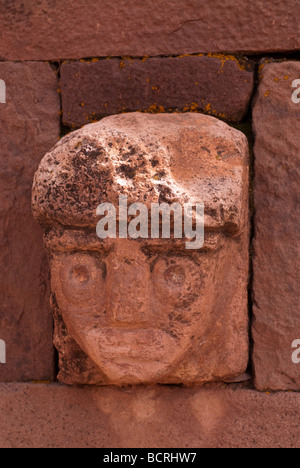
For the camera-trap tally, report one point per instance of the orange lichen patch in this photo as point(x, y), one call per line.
point(276, 79)
point(82, 104)
point(93, 117)
point(261, 67)
point(92, 60)
point(286, 77)
point(194, 106)
point(260, 70)
point(189, 55)
point(154, 109)
point(191, 108)
point(224, 58)
point(267, 94)
point(157, 108)
point(125, 61)
point(59, 91)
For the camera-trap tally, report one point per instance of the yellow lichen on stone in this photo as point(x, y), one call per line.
point(188, 55)
point(261, 67)
point(224, 58)
point(155, 109)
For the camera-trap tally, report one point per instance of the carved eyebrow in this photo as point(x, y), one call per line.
point(87, 249)
point(212, 243)
point(78, 241)
point(78, 244)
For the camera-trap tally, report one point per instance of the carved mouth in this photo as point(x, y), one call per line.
point(126, 345)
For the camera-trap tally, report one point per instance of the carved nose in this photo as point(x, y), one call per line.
point(128, 297)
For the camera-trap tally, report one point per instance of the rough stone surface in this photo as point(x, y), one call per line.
point(132, 311)
point(43, 30)
point(29, 123)
point(276, 122)
point(219, 86)
point(232, 417)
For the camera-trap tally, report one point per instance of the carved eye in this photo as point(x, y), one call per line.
point(175, 275)
point(176, 279)
point(79, 274)
point(78, 278)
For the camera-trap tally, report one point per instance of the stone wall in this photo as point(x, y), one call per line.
point(65, 65)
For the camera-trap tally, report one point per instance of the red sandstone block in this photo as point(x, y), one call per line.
point(43, 30)
point(276, 121)
point(147, 417)
point(29, 126)
point(218, 86)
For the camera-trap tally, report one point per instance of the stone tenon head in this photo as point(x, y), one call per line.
point(130, 311)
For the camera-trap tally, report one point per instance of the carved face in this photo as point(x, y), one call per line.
point(136, 308)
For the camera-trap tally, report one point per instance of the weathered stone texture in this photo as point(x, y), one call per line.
point(133, 311)
point(276, 121)
point(220, 86)
point(29, 125)
point(231, 417)
point(43, 30)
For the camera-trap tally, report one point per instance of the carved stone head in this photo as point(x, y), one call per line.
point(144, 310)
